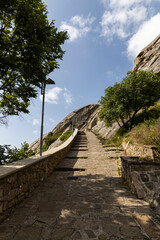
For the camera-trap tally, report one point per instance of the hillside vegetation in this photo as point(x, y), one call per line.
point(146, 129)
point(51, 138)
point(134, 104)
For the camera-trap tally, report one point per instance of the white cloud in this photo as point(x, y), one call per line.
point(35, 122)
point(51, 120)
point(81, 21)
point(52, 95)
point(125, 3)
point(147, 32)
point(122, 17)
point(77, 27)
point(67, 96)
point(35, 132)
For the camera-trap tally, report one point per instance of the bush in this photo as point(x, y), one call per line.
point(49, 140)
point(138, 91)
point(146, 129)
point(147, 133)
point(9, 155)
point(66, 135)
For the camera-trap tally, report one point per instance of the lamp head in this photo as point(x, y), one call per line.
point(49, 81)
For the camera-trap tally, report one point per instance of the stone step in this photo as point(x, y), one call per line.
point(76, 158)
point(81, 133)
point(62, 169)
point(79, 149)
point(79, 146)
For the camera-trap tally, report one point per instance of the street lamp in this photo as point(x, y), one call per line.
point(43, 86)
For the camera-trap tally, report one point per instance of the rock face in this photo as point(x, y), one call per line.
point(79, 118)
point(83, 118)
point(149, 58)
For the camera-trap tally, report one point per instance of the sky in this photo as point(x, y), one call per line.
point(104, 38)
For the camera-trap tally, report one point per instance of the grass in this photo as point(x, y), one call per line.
point(51, 138)
point(146, 133)
point(99, 137)
point(146, 238)
point(119, 171)
point(146, 129)
point(66, 135)
point(117, 139)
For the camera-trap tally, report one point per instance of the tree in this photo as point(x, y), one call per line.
point(138, 90)
point(30, 48)
point(9, 155)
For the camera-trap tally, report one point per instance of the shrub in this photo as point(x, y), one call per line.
point(138, 91)
point(9, 155)
point(49, 140)
point(66, 135)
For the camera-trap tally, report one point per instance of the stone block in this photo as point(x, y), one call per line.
point(144, 177)
point(149, 185)
point(1, 207)
point(6, 188)
point(12, 194)
point(1, 194)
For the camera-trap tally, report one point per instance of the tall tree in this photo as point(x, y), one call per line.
point(30, 48)
point(138, 90)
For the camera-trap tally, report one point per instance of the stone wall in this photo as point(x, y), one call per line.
point(18, 180)
point(146, 151)
point(143, 178)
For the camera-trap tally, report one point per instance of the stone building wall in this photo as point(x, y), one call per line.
point(18, 180)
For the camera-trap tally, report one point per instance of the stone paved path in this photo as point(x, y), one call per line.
point(89, 203)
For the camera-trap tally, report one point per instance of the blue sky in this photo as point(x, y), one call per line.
point(105, 37)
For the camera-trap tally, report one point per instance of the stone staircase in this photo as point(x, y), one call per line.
point(83, 199)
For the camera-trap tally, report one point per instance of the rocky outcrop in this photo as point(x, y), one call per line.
point(149, 58)
point(83, 118)
point(79, 118)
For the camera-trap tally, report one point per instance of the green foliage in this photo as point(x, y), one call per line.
point(9, 155)
point(66, 135)
point(49, 140)
point(145, 131)
point(119, 171)
point(30, 48)
point(117, 139)
point(52, 138)
point(138, 90)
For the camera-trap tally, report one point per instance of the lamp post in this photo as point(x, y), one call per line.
point(48, 81)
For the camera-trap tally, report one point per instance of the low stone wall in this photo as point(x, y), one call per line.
point(143, 178)
point(147, 151)
point(18, 180)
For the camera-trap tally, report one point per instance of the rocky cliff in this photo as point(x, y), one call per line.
point(149, 58)
point(83, 118)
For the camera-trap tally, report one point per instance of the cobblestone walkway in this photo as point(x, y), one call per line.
point(88, 203)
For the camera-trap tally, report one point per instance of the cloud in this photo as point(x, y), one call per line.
point(147, 32)
point(35, 122)
point(52, 95)
point(35, 132)
point(51, 120)
point(122, 18)
point(77, 27)
point(67, 96)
